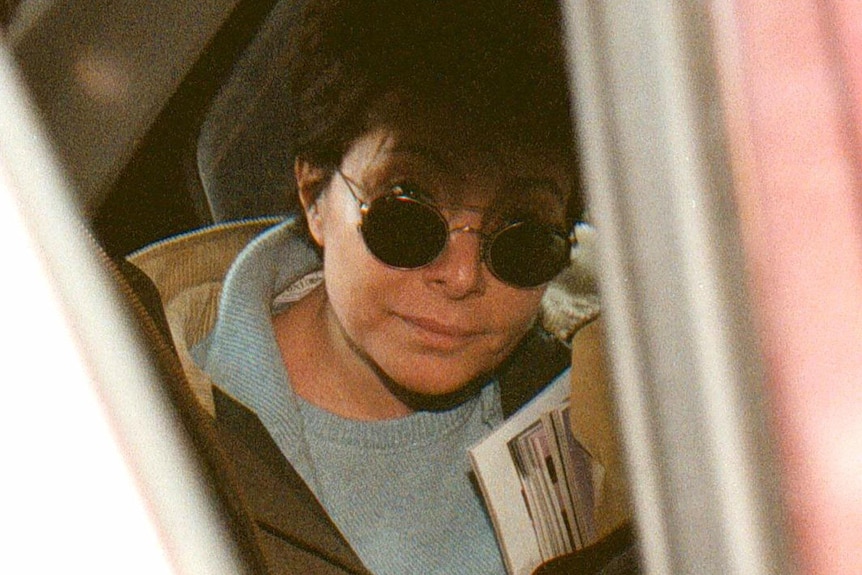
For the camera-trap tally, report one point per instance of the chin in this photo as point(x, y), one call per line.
point(425, 389)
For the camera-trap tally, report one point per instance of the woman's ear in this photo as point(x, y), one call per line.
point(310, 181)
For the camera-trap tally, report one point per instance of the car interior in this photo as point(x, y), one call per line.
point(164, 116)
point(172, 178)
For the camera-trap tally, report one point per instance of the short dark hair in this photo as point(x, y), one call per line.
point(501, 61)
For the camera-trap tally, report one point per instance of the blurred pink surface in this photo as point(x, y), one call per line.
point(794, 99)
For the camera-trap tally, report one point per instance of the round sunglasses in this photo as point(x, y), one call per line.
point(406, 233)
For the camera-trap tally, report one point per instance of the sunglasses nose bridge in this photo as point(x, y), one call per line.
point(458, 267)
point(476, 231)
point(468, 229)
point(463, 219)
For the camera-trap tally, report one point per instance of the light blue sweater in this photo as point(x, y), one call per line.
point(399, 490)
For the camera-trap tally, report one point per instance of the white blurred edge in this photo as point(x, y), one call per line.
point(96, 476)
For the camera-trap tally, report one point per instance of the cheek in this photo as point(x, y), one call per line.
point(344, 256)
point(521, 305)
point(514, 311)
point(354, 280)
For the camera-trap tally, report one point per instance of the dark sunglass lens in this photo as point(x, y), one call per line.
point(404, 233)
point(527, 254)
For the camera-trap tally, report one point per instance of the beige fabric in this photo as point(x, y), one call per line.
point(571, 300)
point(188, 272)
point(593, 424)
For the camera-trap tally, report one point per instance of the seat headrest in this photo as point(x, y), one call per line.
point(244, 153)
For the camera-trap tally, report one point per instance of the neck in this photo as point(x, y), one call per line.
point(327, 369)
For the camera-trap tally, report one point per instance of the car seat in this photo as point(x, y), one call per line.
point(244, 152)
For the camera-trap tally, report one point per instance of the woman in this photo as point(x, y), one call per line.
point(360, 350)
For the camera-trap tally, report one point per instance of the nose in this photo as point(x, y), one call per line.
point(457, 272)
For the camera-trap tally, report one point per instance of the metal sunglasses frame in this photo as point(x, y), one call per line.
point(487, 240)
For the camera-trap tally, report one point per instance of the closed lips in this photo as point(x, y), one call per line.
point(437, 327)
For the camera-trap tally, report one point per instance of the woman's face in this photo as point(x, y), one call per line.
point(434, 329)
